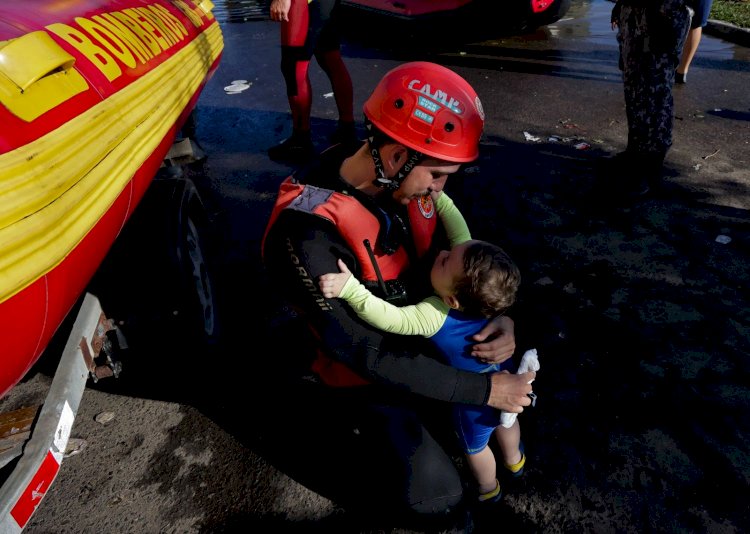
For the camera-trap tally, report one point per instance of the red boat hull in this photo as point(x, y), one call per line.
point(137, 70)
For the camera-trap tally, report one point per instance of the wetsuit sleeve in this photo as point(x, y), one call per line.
point(422, 319)
point(453, 221)
point(299, 248)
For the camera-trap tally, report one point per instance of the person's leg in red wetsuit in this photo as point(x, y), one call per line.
point(328, 55)
point(311, 30)
point(333, 65)
point(296, 52)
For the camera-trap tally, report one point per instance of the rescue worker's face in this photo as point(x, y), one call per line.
point(428, 176)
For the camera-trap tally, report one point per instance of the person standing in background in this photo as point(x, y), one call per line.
point(310, 27)
point(651, 34)
point(700, 19)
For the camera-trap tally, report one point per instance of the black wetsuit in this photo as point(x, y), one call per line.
point(404, 464)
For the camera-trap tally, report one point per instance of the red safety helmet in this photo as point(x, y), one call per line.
point(430, 109)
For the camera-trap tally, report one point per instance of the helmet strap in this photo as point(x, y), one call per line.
point(375, 139)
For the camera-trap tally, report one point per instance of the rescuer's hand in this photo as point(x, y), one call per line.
point(510, 392)
point(496, 341)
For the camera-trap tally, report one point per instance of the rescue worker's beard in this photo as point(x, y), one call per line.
point(400, 198)
point(404, 199)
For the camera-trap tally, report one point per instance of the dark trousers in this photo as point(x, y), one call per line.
point(651, 40)
point(397, 449)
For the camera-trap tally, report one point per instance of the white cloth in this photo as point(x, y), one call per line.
point(529, 362)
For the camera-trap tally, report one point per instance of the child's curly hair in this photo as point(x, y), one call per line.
point(491, 282)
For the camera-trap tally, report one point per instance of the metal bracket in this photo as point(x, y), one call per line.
point(99, 353)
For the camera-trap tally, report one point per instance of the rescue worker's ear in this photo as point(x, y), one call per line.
point(394, 155)
point(398, 156)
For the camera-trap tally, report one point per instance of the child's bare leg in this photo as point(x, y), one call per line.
point(509, 440)
point(483, 467)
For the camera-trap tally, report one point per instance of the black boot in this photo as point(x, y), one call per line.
point(298, 148)
point(641, 174)
point(621, 181)
point(652, 167)
point(346, 134)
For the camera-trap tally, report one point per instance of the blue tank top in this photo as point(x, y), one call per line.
point(454, 342)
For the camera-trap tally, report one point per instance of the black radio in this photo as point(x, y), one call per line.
point(396, 293)
point(392, 291)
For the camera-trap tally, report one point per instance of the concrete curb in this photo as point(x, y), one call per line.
point(728, 32)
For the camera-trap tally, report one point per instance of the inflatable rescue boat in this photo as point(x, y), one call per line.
point(92, 94)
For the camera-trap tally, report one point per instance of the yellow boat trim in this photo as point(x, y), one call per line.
point(55, 189)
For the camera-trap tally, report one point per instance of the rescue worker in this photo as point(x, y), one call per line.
point(372, 208)
point(650, 34)
point(310, 27)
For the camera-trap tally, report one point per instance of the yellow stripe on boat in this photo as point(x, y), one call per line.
point(55, 189)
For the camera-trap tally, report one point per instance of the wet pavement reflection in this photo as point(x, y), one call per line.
point(590, 21)
point(586, 21)
point(241, 10)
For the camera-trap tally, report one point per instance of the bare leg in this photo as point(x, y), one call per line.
point(483, 467)
point(689, 49)
point(509, 440)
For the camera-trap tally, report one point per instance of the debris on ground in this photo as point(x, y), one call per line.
point(723, 239)
point(104, 417)
point(74, 446)
point(237, 86)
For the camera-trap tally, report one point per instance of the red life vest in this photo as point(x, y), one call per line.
point(341, 209)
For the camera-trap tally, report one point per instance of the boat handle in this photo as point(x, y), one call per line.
point(31, 57)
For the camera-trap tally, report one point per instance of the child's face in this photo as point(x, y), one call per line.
point(447, 269)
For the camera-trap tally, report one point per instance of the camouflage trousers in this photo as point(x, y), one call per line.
point(651, 40)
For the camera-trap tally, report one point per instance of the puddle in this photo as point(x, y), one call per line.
point(586, 20)
point(241, 10)
point(589, 21)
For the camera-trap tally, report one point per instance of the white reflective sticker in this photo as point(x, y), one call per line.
point(62, 433)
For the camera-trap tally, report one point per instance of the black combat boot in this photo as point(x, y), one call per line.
point(621, 181)
point(297, 149)
point(623, 175)
point(346, 134)
point(652, 167)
